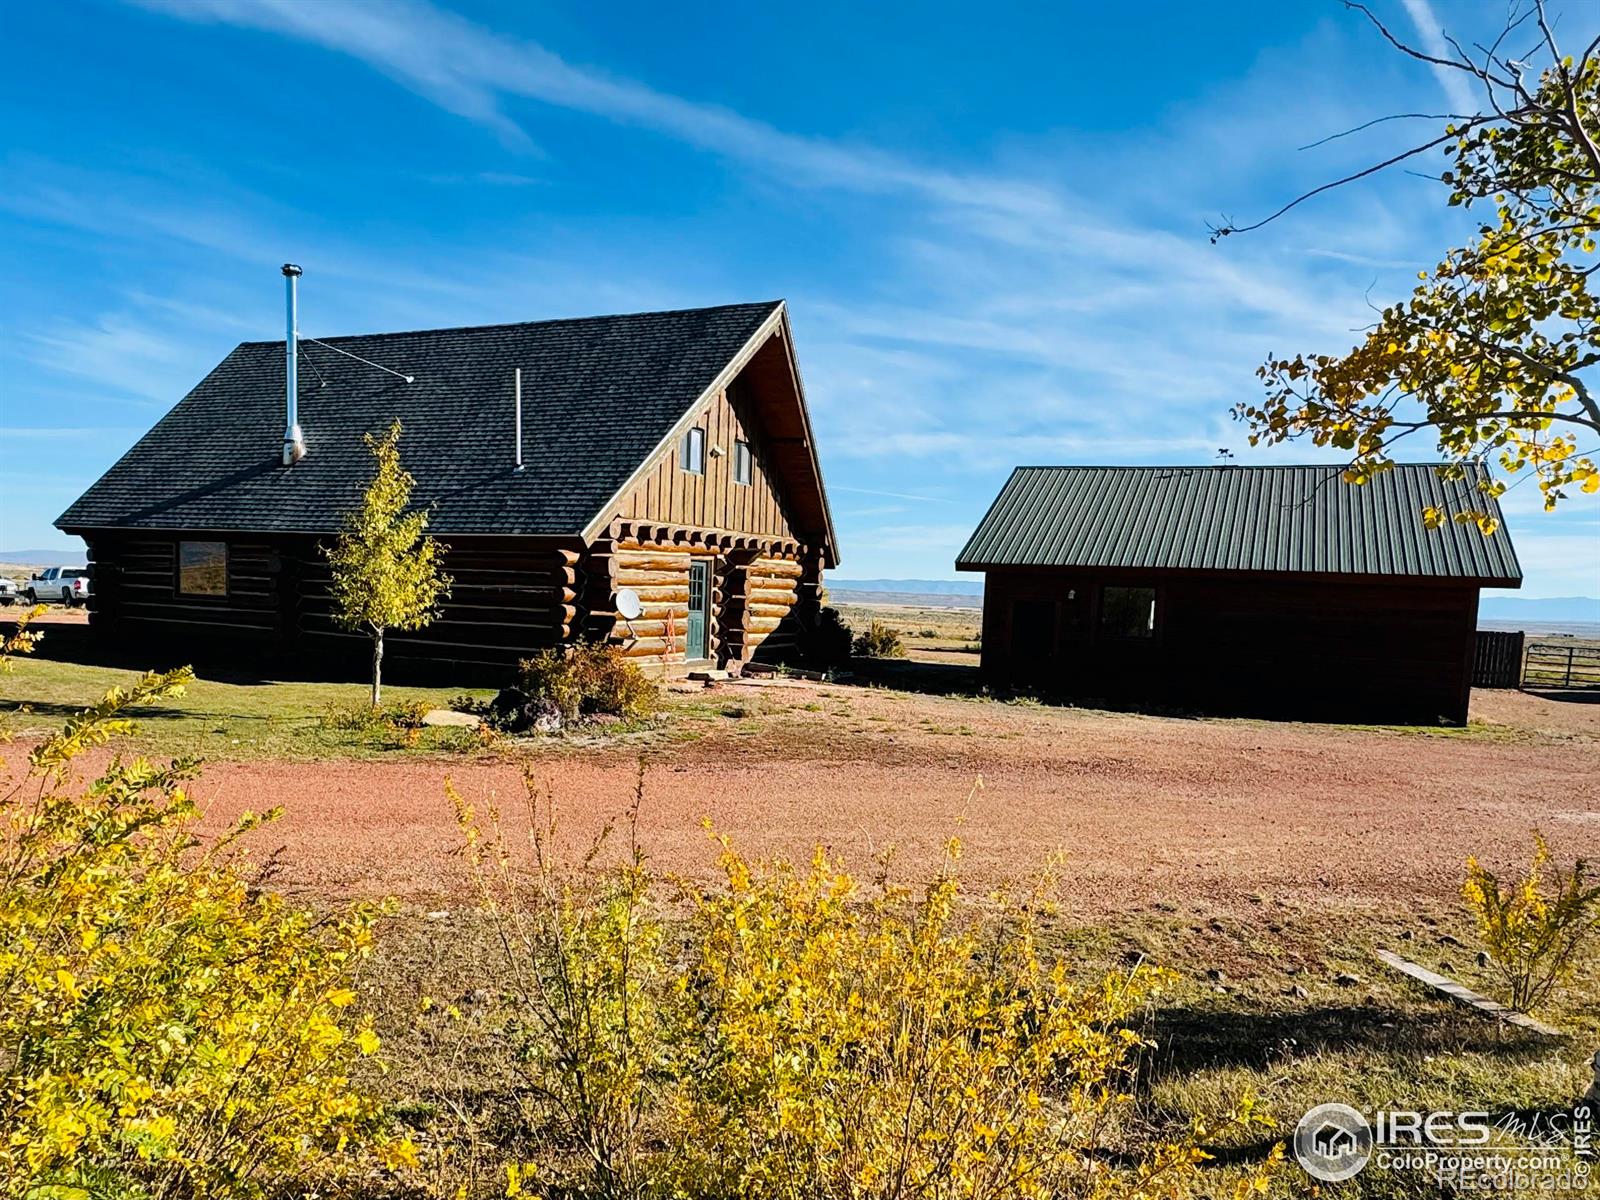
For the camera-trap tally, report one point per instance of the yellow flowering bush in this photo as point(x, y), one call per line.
point(1534, 929)
point(21, 639)
point(788, 1032)
point(166, 1028)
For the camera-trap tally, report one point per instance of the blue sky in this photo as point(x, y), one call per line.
point(990, 224)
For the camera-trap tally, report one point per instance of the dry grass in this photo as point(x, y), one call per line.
point(1235, 1020)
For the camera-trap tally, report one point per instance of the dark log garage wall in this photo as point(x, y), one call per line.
point(1316, 647)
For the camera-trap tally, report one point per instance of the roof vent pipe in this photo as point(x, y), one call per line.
point(294, 441)
point(519, 418)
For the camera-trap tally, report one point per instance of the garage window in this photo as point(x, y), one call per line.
point(203, 568)
point(1128, 612)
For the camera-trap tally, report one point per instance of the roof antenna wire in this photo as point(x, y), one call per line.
point(312, 363)
point(359, 359)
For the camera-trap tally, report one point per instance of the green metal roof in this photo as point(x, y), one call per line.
point(1227, 518)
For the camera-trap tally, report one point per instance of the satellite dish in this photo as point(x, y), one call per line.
point(628, 604)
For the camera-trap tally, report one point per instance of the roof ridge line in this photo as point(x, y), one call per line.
point(658, 312)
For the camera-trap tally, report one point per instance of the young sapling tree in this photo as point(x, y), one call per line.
point(386, 572)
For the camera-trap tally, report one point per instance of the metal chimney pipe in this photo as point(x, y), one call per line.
point(519, 418)
point(294, 441)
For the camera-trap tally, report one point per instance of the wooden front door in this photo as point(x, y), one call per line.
point(696, 640)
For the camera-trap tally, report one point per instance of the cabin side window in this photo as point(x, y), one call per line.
point(202, 568)
point(692, 454)
point(741, 462)
point(1128, 612)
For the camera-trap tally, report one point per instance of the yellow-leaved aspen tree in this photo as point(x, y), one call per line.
point(1493, 354)
point(385, 566)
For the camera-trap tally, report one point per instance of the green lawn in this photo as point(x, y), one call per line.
point(217, 719)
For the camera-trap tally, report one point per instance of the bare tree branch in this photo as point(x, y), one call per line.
point(1333, 137)
point(1219, 232)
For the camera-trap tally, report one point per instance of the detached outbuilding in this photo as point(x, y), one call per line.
point(1277, 591)
point(664, 459)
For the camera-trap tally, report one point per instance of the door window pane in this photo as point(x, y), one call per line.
point(696, 640)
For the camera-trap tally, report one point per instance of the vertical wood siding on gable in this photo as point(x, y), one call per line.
point(713, 500)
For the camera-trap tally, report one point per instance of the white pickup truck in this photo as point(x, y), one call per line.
point(69, 585)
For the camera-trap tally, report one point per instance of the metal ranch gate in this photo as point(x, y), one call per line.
point(1561, 664)
point(1508, 660)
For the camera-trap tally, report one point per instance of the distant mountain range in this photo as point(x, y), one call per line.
point(45, 558)
point(923, 587)
point(1554, 608)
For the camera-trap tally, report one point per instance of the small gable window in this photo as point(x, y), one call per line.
point(692, 454)
point(741, 462)
point(203, 568)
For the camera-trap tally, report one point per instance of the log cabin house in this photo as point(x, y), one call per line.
point(560, 461)
point(1276, 591)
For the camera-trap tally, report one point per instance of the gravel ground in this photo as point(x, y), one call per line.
point(1144, 809)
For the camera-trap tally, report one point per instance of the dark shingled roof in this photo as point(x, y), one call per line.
point(598, 395)
point(1226, 518)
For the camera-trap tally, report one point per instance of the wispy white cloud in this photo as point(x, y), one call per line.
point(1058, 307)
point(1455, 84)
point(506, 179)
point(472, 71)
point(859, 491)
point(123, 358)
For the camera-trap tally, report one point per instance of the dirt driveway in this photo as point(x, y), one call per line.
point(1145, 809)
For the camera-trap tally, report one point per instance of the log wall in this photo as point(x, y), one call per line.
point(509, 598)
point(134, 582)
point(756, 585)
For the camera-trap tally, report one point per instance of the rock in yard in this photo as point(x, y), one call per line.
point(1345, 979)
point(1298, 992)
point(518, 712)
